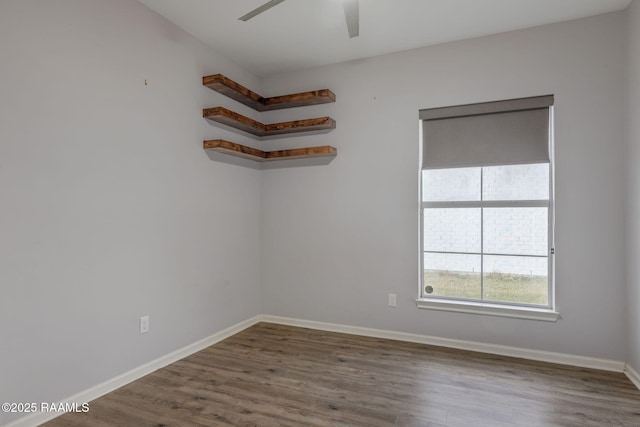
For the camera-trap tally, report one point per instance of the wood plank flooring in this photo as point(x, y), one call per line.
point(274, 375)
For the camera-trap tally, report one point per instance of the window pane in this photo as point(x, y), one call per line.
point(517, 231)
point(516, 182)
point(515, 279)
point(447, 185)
point(452, 230)
point(452, 275)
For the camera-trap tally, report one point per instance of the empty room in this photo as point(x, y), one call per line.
point(320, 213)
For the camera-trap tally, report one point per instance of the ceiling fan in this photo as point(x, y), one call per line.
point(351, 13)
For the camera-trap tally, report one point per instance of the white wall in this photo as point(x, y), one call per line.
point(109, 207)
point(633, 158)
point(338, 238)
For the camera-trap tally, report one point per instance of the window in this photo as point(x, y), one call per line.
point(487, 208)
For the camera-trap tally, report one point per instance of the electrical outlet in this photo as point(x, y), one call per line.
point(392, 300)
point(144, 324)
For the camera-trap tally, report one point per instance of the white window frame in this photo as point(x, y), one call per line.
point(503, 309)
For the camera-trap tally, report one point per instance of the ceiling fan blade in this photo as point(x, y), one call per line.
point(352, 14)
point(257, 11)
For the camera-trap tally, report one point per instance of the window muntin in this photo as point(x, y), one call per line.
point(490, 243)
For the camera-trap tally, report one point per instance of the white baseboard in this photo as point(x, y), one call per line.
point(124, 379)
point(632, 375)
point(543, 356)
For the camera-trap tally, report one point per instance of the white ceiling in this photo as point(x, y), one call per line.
point(306, 33)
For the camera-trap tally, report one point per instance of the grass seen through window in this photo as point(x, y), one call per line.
point(499, 287)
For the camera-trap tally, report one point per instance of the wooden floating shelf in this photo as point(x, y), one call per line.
point(246, 124)
point(236, 91)
point(233, 90)
point(237, 150)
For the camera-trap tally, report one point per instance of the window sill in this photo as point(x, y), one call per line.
point(489, 309)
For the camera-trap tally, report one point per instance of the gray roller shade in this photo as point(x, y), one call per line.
point(507, 132)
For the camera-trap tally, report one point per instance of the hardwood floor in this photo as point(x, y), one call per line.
point(273, 375)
